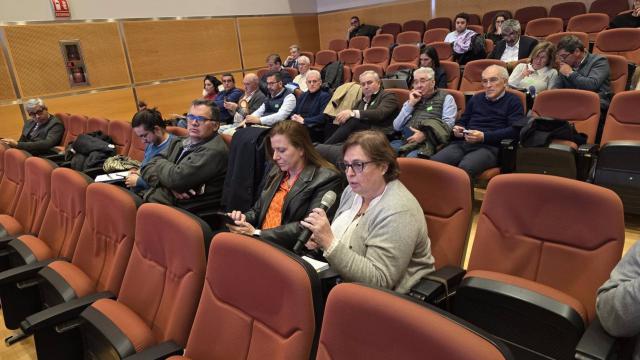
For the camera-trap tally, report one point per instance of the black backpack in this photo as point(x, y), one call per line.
point(332, 74)
point(539, 132)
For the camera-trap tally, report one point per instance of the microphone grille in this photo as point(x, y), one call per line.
point(329, 198)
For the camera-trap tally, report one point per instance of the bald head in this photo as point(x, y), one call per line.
point(250, 82)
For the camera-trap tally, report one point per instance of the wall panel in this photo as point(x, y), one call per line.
point(11, 121)
point(171, 98)
point(334, 25)
point(39, 63)
point(261, 36)
point(451, 7)
point(6, 87)
point(111, 104)
point(179, 48)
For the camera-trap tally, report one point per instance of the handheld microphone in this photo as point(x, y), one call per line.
point(326, 203)
point(532, 91)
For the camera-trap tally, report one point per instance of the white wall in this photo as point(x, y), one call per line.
point(29, 10)
point(330, 5)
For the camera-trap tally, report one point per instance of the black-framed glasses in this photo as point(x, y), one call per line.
point(34, 113)
point(191, 117)
point(356, 166)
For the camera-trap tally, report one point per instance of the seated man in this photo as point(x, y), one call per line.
point(310, 106)
point(190, 174)
point(252, 99)
point(577, 69)
point(513, 46)
point(274, 64)
point(426, 119)
point(376, 110)
point(357, 29)
point(618, 302)
point(292, 60)
point(627, 20)
point(39, 134)
point(462, 40)
point(149, 126)
point(230, 94)
point(489, 118)
point(278, 106)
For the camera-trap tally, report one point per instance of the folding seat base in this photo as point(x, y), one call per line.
point(102, 338)
point(553, 160)
point(617, 169)
point(52, 344)
point(18, 304)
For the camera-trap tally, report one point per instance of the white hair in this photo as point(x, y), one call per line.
point(33, 103)
point(425, 70)
point(502, 71)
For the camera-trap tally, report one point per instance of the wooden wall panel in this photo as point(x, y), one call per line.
point(333, 25)
point(261, 36)
point(171, 98)
point(179, 48)
point(111, 104)
point(6, 87)
point(39, 63)
point(10, 121)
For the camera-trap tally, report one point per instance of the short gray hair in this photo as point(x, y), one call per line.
point(33, 103)
point(502, 71)
point(372, 73)
point(425, 70)
point(314, 72)
point(512, 24)
point(304, 59)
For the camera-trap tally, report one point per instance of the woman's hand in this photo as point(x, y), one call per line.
point(241, 226)
point(318, 223)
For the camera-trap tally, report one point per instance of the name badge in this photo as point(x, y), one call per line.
point(430, 108)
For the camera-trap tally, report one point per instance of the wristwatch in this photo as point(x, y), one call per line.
point(256, 233)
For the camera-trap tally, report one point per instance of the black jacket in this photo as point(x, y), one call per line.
point(524, 50)
point(44, 139)
point(306, 194)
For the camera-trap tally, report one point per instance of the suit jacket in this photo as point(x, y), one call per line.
point(306, 194)
point(591, 75)
point(45, 138)
point(526, 45)
point(319, 102)
point(381, 111)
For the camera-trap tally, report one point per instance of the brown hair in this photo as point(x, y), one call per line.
point(299, 138)
point(549, 48)
point(377, 147)
point(492, 27)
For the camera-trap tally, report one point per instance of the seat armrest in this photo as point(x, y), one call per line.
point(5, 240)
point(61, 312)
point(23, 272)
point(453, 275)
point(596, 343)
point(56, 158)
point(507, 155)
point(435, 287)
point(588, 149)
point(93, 172)
point(587, 154)
point(160, 351)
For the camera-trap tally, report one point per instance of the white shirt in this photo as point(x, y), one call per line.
point(288, 105)
point(301, 80)
point(511, 52)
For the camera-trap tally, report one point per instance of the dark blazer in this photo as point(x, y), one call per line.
point(381, 111)
point(524, 50)
point(306, 194)
point(591, 75)
point(45, 138)
point(316, 115)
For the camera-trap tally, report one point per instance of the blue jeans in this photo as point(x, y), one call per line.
point(397, 144)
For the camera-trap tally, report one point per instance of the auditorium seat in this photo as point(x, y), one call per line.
point(555, 38)
point(434, 35)
point(447, 213)
point(136, 150)
point(61, 224)
point(528, 13)
point(609, 7)
point(267, 294)
point(377, 56)
point(3, 147)
point(478, 29)
point(487, 18)
point(310, 55)
point(384, 40)
point(292, 72)
point(439, 23)
point(338, 45)
point(262, 72)
point(361, 322)
point(227, 140)
point(618, 73)
point(444, 50)
point(359, 69)
point(120, 132)
point(159, 295)
point(97, 124)
point(472, 76)
point(541, 28)
point(408, 37)
point(488, 46)
point(177, 131)
point(453, 73)
point(414, 25)
point(77, 124)
point(12, 180)
point(592, 24)
point(323, 57)
point(401, 94)
point(392, 68)
point(391, 28)
point(64, 117)
point(359, 42)
point(350, 57)
point(617, 166)
point(405, 54)
point(98, 263)
point(527, 281)
point(459, 98)
point(33, 200)
point(474, 19)
point(567, 10)
point(623, 42)
point(346, 75)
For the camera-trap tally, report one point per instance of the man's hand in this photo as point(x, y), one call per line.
point(457, 131)
point(343, 116)
point(231, 106)
point(252, 119)
point(417, 137)
point(474, 137)
point(297, 118)
point(414, 97)
point(131, 180)
point(565, 69)
point(181, 196)
point(11, 142)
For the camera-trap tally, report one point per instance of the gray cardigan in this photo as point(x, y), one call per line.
point(390, 248)
point(618, 304)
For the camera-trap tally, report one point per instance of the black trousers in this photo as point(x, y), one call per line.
point(472, 158)
point(338, 134)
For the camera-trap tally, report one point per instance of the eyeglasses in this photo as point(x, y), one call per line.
point(356, 166)
point(34, 113)
point(271, 83)
point(488, 81)
point(199, 119)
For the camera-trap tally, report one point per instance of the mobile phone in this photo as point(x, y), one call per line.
point(466, 132)
point(226, 218)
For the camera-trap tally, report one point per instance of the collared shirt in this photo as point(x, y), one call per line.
point(288, 105)
point(372, 99)
point(511, 52)
point(273, 217)
point(496, 99)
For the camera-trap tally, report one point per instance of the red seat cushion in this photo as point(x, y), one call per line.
point(81, 284)
point(131, 325)
point(38, 247)
point(11, 225)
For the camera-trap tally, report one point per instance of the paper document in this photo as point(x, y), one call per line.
point(318, 265)
point(113, 176)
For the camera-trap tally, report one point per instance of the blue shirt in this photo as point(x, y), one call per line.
point(233, 96)
point(149, 152)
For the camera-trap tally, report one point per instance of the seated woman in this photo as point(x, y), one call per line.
point(538, 72)
point(495, 28)
point(429, 58)
point(296, 184)
point(379, 235)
